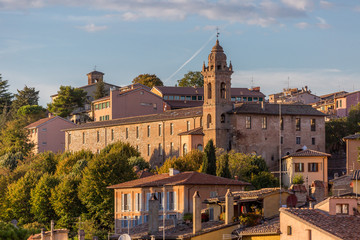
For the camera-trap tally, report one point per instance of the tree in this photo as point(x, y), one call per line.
point(9, 232)
point(192, 79)
point(149, 80)
point(40, 199)
point(222, 169)
point(10, 160)
point(190, 162)
point(298, 179)
point(209, 159)
point(5, 96)
point(100, 90)
point(31, 113)
point(73, 162)
point(139, 162)
point(264, 180)
point(27, 96)
point(67, 100)
point(109, 167)
point(353, 119)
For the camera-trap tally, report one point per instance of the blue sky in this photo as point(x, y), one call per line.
point(271, 43)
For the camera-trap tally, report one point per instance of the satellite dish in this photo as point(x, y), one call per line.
point(124, 237)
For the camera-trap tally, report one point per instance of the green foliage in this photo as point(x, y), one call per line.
point(264, 180)
point(192, 79)
point(298, 179)
point(31, 113)
point(27, 96)
point(250, 219)
point(222, 169)
point(10, 160)
point(188, 217)
point(41, 207)
point(149, 80)
point(73, 162)
point(209, 159)
point(353, 119)
point(190, 162)
point(100, 90)
point(65, 201)
point(139, 162)
point(109, 167)
point(10, 232)
point(67, 100)
point(5, 96)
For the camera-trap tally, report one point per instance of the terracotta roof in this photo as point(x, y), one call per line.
point(167, 115)
point(245, 92)
point(307, 153)
point(174, 104)
point(184, 178)
point(95, 72)
point(332, 95)
point(39, 122)
point(273, 109)
point(344, 227)
point(195, 131)
point(270, 227)
point(353, 137)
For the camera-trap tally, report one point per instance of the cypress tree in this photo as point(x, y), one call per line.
point(209, 160)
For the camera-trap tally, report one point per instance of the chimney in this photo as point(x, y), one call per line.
point(229, 207)
point(173, 172)
point(196, 212)
point(153, 214)
point(50, 115)
point(52, 226)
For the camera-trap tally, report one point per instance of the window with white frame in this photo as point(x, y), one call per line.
point(138, 199)
point(148, 196)
point(160, 197)
point(126, 202)
point(171, 201)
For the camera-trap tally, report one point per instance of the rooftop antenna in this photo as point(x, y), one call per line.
point(217, 33)
point(95, 68)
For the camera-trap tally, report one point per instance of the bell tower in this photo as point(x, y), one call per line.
point(217, 97)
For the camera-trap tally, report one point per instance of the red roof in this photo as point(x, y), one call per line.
point(184, 178)
point(195, 131)
point(39, 122)
point(308, 153)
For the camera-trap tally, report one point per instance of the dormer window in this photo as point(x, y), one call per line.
point(342, 209)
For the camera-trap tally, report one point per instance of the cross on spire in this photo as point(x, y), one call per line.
point(95, 68)
point(217, 33)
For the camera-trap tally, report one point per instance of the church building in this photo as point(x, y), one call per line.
point(248, 127)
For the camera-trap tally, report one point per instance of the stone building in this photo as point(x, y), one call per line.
point(248, 127)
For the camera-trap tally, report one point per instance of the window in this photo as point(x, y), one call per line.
point(177, 97)
point(260, 99)
point(160, 197)
point(209, 90)
point(171, 148)
point(248, 122)
point(112, 134)
point(223, 90)
point(249, 99)
point(264, 122)
point(69, 138)
point(107, 104)
point(299, 167)
point(298, 124)
point(97, 136)
point(200, 98)
point(313, 167)
point(298, 140)
point(160, 130)
point(138, 205)
point(125, 202)
point(160, 149)
point(313, 141)
point(43, 143)
point(103, 105)
point(148, 130)
point(171, 97)
point(184, 149)
point(281, 123)
point(313, 124)
point(96, 106)
point(281, 140)
point(148, 149)
point(188, 125)
point(182, 97)
point(255, 99)
point(44, 129)
point(222, 118)
point(199, 147)
point(137, 132)
point(208, 121)
point(342, 209)
point(126, 133)
point(171, 128)
point(171, 200)
point(188, 98)
point(148, 196)
point(213, 194)
point(201, 122)
point(289, 230)
point(83, 138)
point(193, 98)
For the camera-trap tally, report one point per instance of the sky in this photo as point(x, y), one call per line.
point(273, 44)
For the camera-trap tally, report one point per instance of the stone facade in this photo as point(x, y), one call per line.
point(243, 127)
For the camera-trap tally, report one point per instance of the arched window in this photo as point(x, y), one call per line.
point(184, 149)
point(209, 90)
point(199, 147)
point(223, 90)
point(208, 121)
point(222, 118)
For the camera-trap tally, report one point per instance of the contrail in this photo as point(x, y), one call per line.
point(191, 58)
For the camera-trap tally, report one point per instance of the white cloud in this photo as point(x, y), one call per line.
point(322, 23)
point(299, 4)
point(302, 25)
point(92, 28)
point(326, 4)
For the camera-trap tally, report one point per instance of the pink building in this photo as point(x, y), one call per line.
point(130, 101)
point(345, 102)
point(46, 134)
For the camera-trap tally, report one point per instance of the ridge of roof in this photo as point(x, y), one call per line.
point(195, 131)
point(355, 136)
point(307, 153)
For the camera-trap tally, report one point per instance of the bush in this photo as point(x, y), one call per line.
point(250, 219)
point(298, 179)
point(188, 217)
point(205, 217)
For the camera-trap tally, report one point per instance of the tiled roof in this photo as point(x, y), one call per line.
point(270, 227)
point(353, 137)
point(344, 227)
point(167, 115)
point(307, 153)
point(183, 103)
point(332, 95)
point(184, 178)
point(39, 122)
point(273, 109)
point(245, 92)
point(101, 99)
point(195, 131)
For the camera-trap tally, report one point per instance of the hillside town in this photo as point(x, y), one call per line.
point(196, 161)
